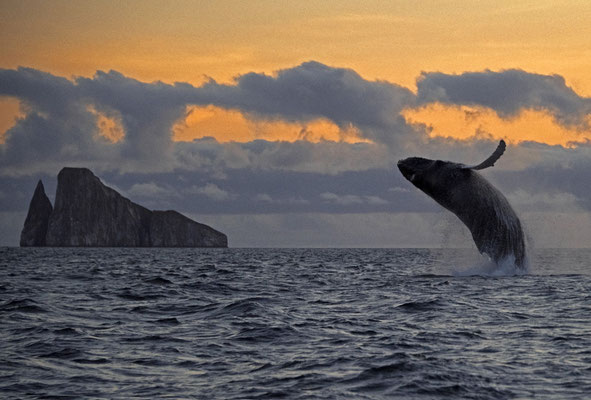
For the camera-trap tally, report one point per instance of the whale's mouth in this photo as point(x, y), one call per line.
point(407, 171)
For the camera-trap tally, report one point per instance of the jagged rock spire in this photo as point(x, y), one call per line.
point(35, 228)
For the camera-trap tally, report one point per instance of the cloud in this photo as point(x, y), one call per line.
point(64, 121)
point(343, 200)
point(265, 198)
point(56, 127)
point(539, 172)
point(555, 177)
point(507, 92)
point(375, 200)
point(150, 190)
point(210, 190)
point(524, 200)
point(398, 189)
point(351, 199)
point(147, 111)
point(313, 90)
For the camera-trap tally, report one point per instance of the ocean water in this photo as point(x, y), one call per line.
point(292, 323)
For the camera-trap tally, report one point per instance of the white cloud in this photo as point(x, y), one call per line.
point(398, 189)
point(524, 200)
point(210, 190)
point(263, 198)
point(343, 200)
point(375, 200)
point(150, 190)
point(351, 199)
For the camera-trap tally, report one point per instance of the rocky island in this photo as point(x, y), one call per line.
point(89, 214)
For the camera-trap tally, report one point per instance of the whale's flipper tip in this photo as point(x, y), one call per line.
point(490, 161)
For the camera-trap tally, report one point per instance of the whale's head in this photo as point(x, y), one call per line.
point(434, 177)
point(439, 179)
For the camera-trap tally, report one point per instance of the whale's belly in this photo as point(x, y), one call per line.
point(493, 223)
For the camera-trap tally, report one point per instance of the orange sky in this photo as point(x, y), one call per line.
point(388, 40)
point(465, 122)
point(231, 125)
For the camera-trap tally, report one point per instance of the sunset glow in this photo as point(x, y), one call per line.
point(391, 41)
point(109, 127)
point(465, 122)
point(228, 125)
point(10, 111)
point(267, 109)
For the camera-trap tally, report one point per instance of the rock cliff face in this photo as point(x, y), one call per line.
point(35, 229)
point(88, 213)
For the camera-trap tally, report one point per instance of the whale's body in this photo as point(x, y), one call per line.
point(495, 227)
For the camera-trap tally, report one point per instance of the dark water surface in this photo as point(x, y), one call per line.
point(293, 323)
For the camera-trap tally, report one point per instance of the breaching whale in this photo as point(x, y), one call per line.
point(495, 227)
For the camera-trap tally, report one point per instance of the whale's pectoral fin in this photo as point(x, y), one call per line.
point(489, 162)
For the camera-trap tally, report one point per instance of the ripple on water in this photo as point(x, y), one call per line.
point(290, 323)
point(22, 306)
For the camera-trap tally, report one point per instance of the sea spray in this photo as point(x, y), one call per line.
point(488, 267)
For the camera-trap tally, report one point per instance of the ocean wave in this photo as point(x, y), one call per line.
point(292, 323)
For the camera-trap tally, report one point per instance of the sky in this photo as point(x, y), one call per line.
point(280, 123)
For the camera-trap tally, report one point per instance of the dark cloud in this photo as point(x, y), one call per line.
point(249, 191)
point(309, 208)
point(314, 90)
point(206, 177)
point(147, 111)
point(507, 92)
point(555, 178)
point(56, 126)
point(41, 92)
point(326, 157)
point(60, 122)
point(272, 191)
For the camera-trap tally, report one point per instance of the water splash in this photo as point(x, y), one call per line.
point(467, 261)
point(487, 267)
